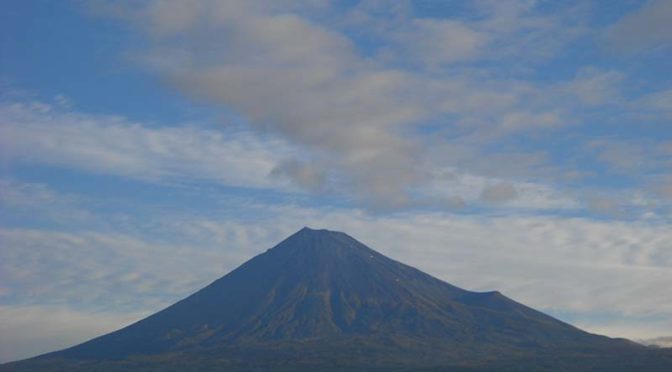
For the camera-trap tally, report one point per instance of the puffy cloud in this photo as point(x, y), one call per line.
point(317, 92)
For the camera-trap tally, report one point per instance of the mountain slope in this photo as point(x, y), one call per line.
point(320, 298)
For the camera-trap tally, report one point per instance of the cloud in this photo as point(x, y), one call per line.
point(645, 330)
point(380, 98)
point(31, 330)
point(659, 101)
point(33, 132)
point(317, 92)
point(594, 87)
point(663, 187)
point(86, 267)
point(38, 133)
point(645, 29)
point(623, 156)
point(360, 113)
point(473, 190)
point(308, 176)
point(435, 42)
point(514, 121)
point(370, 105)
point(498, 193)
point(38, 202)
point(29, 195)
point(605, 206)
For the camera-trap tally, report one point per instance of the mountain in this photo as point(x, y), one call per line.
point(321, 300)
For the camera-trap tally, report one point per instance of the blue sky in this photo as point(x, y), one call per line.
point(148, 147)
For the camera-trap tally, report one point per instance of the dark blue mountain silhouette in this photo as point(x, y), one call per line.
point(322, 300)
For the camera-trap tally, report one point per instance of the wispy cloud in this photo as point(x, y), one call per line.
point(35, 133)
point(86, 267)
point(38, 133)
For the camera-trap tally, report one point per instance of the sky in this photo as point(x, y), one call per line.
point(148, 147)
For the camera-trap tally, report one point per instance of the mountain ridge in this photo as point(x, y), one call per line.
point(321, 297)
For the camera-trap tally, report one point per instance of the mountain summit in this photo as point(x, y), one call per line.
point(322, 300)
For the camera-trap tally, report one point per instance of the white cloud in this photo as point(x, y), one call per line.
point(43, 134)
